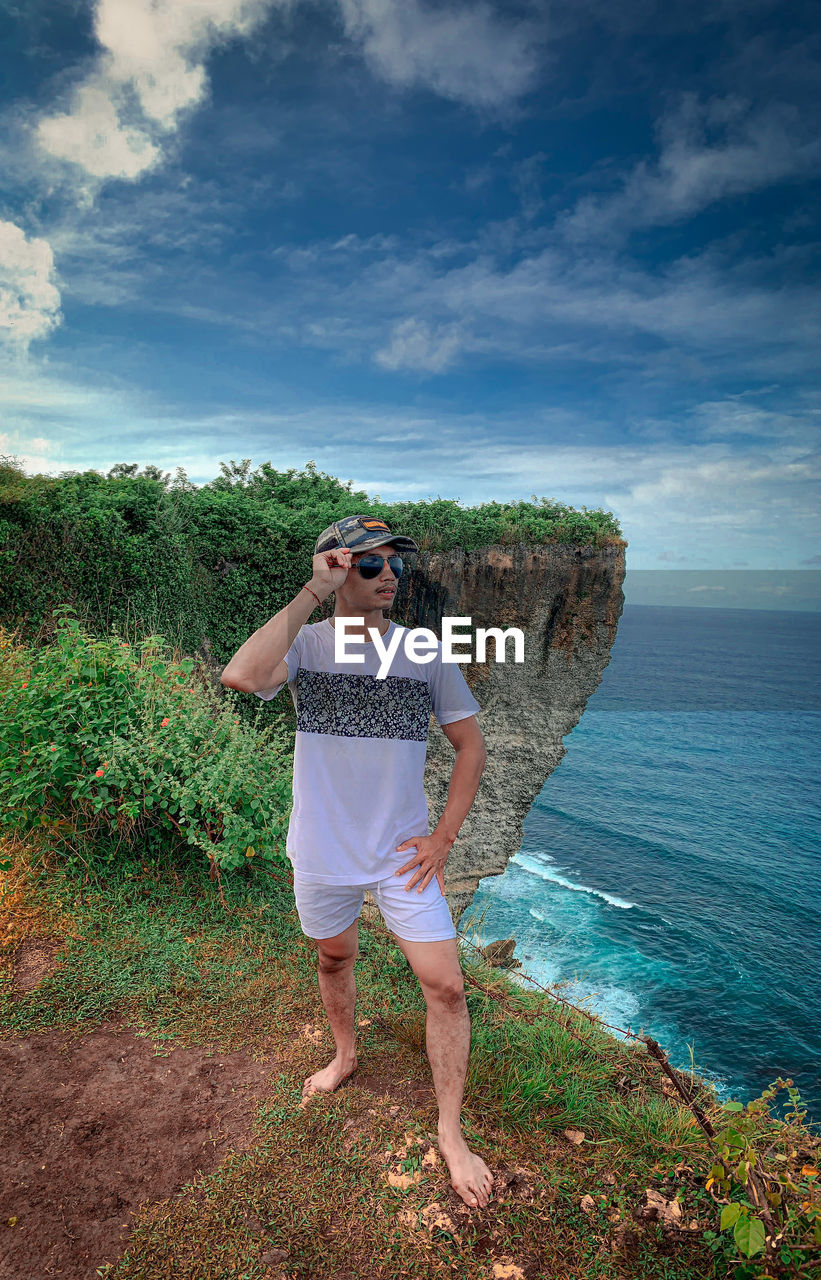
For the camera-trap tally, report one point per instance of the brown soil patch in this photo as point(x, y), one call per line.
point(407, 1092)
point(95, 1126)
point(33, 960)
point(383, 1074)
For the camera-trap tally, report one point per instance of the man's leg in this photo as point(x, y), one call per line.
point(436, 965)
point(337, 986)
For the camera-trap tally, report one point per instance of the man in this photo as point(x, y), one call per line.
point(359, 804)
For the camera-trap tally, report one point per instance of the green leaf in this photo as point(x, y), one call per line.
point(729, 1215)
point(749, 1235)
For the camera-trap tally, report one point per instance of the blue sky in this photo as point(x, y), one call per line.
point(474, 250)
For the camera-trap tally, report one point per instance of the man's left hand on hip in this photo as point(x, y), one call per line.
point(430, 857)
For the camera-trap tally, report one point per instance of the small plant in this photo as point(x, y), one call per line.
point(772, 1205)
point(411, 1163)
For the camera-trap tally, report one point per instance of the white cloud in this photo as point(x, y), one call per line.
point(464, 53)
point(151, 70)
point(718, 484)
point(412, 310)
point(93, 136)
point(414, 345)
point(593, 307)
point(33, 455)
point(709, 151)
point(699, 317)
point(739, 416)
point(717, 506)
point(29, 298)
point(699, 312)
point(687, 504)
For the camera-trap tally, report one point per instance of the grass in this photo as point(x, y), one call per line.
point(153, 946)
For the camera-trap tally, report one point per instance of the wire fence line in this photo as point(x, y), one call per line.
point(650, 1044)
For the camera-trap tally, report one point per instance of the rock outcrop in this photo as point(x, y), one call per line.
point(567, 599)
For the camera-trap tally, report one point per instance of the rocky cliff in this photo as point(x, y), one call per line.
point(567, 600)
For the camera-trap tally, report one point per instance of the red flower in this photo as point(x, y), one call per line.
point(52, 747)
point(99, 773)
point(164, 722)
point(25, 684)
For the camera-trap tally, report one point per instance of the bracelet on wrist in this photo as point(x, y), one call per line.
point(315, 596)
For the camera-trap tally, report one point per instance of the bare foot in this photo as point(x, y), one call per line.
point(326, 1080)
point(469, 1174)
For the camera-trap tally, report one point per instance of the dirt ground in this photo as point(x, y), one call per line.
point(93, 1126)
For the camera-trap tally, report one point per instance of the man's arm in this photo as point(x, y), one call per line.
point(260, 662)
point(431, 852)
point(469, 744)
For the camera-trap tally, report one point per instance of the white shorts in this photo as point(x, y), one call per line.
point(328, 909)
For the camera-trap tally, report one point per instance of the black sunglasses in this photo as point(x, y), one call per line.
point(371, 565)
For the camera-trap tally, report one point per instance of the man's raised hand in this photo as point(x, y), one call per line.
point(330, 568)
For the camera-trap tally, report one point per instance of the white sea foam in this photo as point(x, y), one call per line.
point(538, 868)
point(616, 1005)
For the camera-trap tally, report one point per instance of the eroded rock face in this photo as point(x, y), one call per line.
point(567, 600)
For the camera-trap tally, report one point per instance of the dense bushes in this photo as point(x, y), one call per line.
point(142, 553)
point(120, 748)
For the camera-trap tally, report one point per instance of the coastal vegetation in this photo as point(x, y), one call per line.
point(144, 553)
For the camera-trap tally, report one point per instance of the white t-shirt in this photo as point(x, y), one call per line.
point(359, 758)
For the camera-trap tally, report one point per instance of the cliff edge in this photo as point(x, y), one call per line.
point(567, 599)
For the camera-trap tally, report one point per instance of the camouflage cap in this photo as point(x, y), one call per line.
point(361, 533)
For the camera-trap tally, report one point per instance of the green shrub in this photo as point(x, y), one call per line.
point(144, 554)
point(122, 747)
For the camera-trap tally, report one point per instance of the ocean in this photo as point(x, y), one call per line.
point(670, 869)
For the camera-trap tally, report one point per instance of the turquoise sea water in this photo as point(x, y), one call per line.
point(671, 867)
